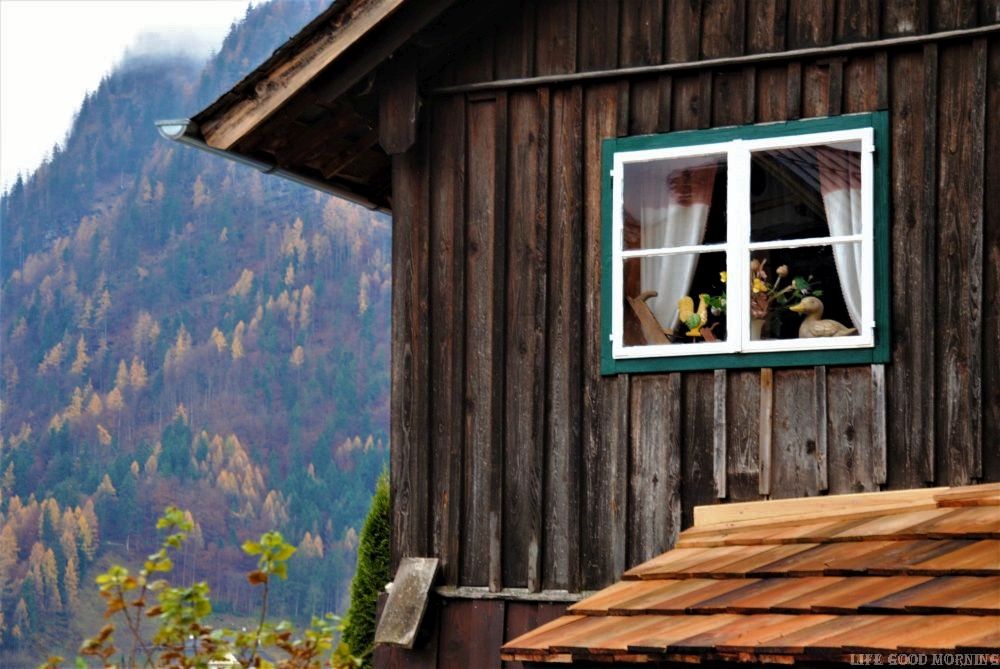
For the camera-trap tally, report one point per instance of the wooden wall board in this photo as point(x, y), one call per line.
point(525, 336)
point(483, 332)
point(604, 433)
point(910, 379)
point(563, 357)
point(463, 621)
point(447, 353)
point(991, 270)
point(410, 353)
point(959, 262)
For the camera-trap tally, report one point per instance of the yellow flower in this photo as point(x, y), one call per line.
point(723, 276)
point(759, 286)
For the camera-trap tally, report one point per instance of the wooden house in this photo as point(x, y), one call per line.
point(562, 174)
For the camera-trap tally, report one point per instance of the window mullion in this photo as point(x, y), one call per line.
point(738, 236)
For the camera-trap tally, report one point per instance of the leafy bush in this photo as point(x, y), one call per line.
point(371, 576)
point(181, 638)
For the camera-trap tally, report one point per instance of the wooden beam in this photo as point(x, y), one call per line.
point(398, 104)
point(823, 507)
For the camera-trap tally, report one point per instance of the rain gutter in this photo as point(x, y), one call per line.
point(186, 131)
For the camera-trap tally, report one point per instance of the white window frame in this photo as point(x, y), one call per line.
point(738, 247)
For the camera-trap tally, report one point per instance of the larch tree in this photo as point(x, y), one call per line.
point(121, 376)
point(82, 359)
point(137, 374)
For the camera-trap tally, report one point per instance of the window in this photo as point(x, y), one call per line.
point(754, 246)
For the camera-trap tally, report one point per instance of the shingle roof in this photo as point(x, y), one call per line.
point(800, 581)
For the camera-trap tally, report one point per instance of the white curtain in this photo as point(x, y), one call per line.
point(674, 212)
point(840, 186)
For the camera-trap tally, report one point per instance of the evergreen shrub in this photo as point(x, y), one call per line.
point(372, 574)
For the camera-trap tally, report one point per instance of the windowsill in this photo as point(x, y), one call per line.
point(701, 361)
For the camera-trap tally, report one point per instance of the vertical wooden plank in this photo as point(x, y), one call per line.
point(905, 17)
point(771, 94)
point(524, 406)
point(697, 456)
point(705, 99)
point(666, 103)
point(723, 28)
point(857, 20)
point(860, 84)
point(953, 14)
point(605, 400)
point(793, 98)
point(742, 435)
point(682, 32)
point(910, 382)
point(484, 272)
point(820, 411)
point(810, 23)
point(410, 353)
point(644, 107)
point(730, 98)
point(959, 265)
point(879, 453)
point(515, 42)
point(835, 87)
point(561, 568)
point(398, 105)
point(794, 465)
point(476, 63)
point(555, 43)
point(815, 90)
point(688, 103)
point(766, 25)
point(850, 430)
point(471, 633)
point(447, 252)
point(598, 35)
point(881, 80)
point(655, 479)
point(719, 434)
point(766, 425)
point(991, 275)
point(641, 32)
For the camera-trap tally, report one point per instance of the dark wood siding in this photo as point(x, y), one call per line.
point(545, 475)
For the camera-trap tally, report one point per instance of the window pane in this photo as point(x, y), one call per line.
point(824, 280)
point(808, 191)
point(675, 202)
point(656, 286)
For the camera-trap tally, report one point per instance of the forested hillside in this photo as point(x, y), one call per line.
point(177, 329)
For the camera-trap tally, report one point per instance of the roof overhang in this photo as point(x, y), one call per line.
point(310, 113)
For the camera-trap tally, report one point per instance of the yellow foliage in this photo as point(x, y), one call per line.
point(219, 340)
point(95, 406)
point(243, 285)
point(82, 359)
point(103, 435)
point(290, 275)
point(121, 376)
point(106, 486)
point(298, 357)
point(137, 373)
point(53, 358)
point(114, 401)
point(305, 306)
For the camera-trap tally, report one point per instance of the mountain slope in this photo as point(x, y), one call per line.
point(180, 329)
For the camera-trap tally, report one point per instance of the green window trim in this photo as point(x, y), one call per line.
point(878, 353)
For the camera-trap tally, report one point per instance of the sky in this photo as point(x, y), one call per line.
point(52, 52)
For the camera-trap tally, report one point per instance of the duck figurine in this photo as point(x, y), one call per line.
point(814, 324)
